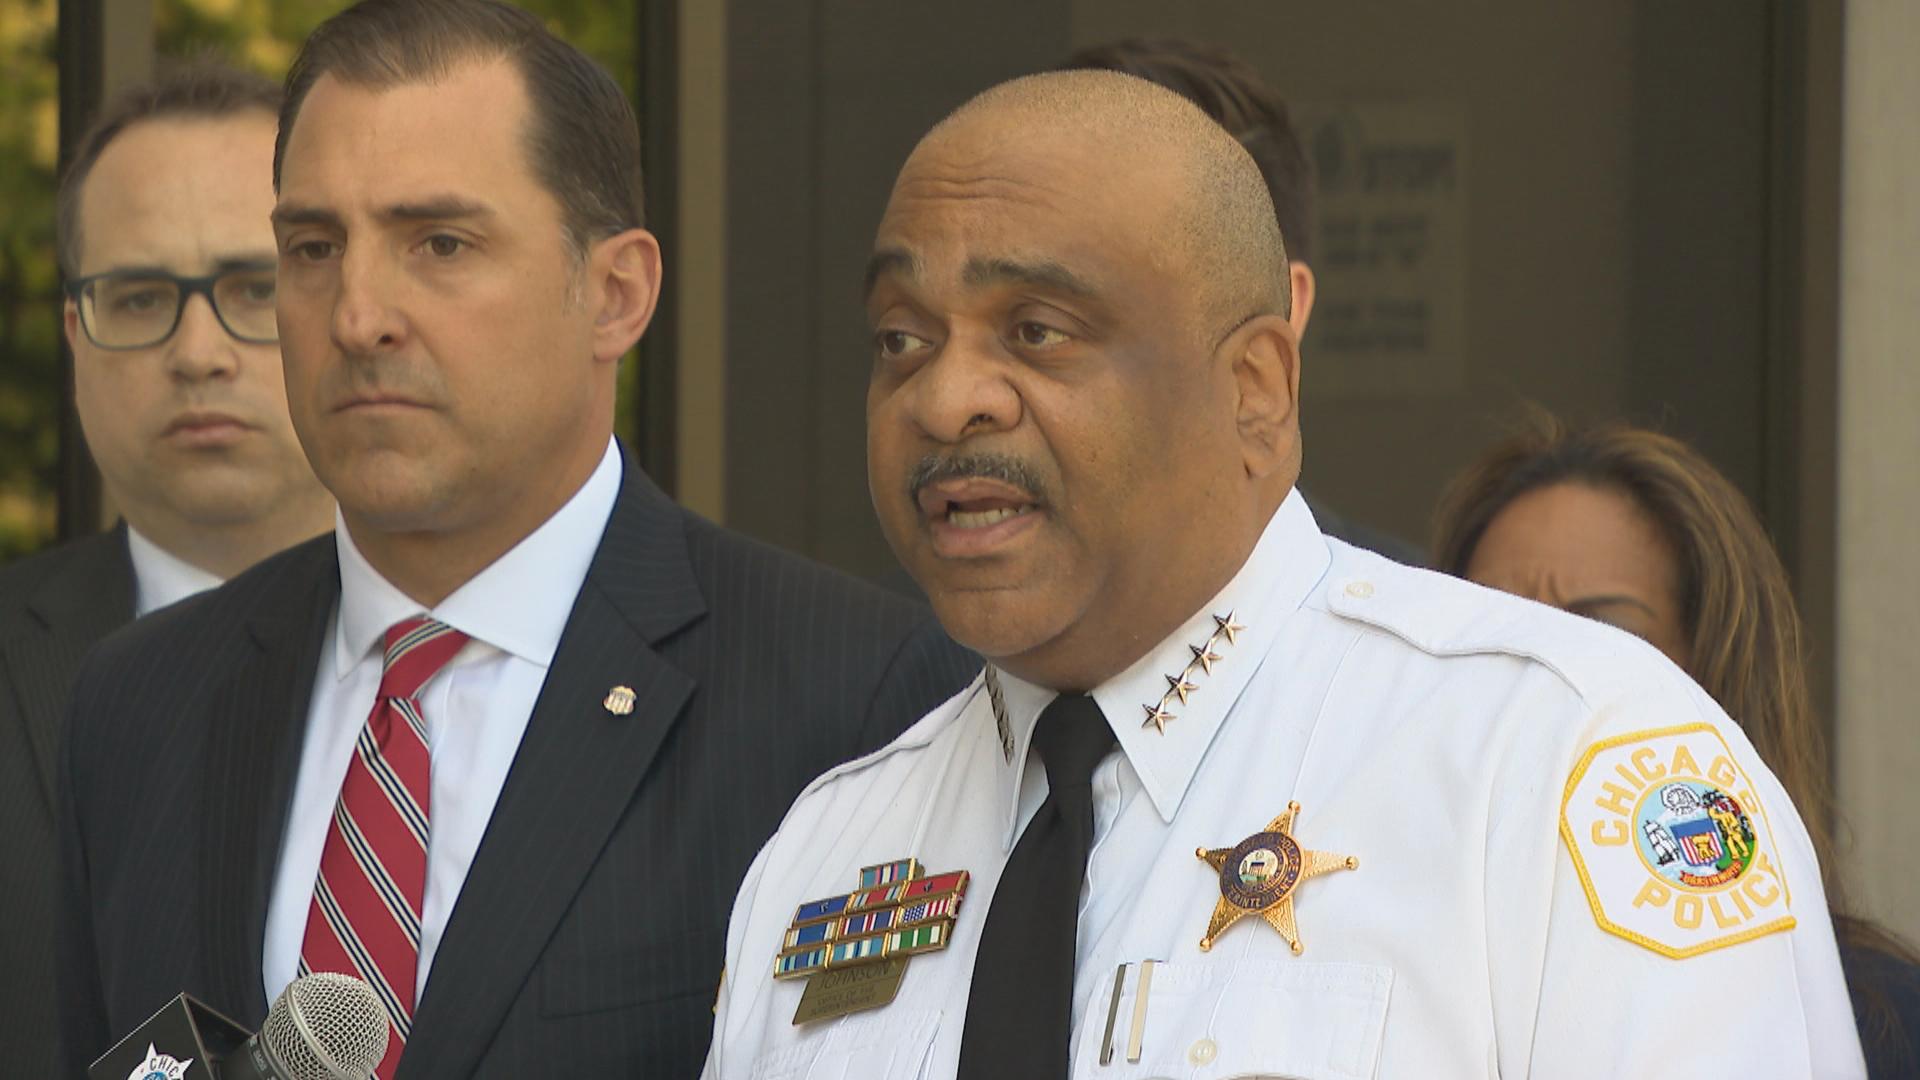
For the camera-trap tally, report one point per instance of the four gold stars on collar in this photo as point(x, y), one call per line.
point(1259, 874)
point(1180, 687)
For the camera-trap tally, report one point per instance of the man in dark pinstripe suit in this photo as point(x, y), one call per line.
point(629, 699)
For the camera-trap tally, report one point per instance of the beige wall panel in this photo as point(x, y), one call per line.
point(1878, 646)
point(701, 370)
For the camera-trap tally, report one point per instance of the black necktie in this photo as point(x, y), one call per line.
point(1020, 1012)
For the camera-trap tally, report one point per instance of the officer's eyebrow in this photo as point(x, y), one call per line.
point(889, 261)
point(983, 272)
point(1043, 273)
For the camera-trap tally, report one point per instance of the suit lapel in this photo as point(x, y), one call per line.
point(575, 774)
point(253, 748)
point(89, 598)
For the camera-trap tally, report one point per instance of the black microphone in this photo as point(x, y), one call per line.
point(323, 1026)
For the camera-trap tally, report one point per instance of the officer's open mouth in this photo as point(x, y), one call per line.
point(975, 515)
point(975, 502)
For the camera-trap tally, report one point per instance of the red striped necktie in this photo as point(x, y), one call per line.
point(365, 917)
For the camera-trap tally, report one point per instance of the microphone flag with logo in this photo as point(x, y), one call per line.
point(324, 1026)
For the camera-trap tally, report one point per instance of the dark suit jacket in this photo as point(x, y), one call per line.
point(589, 936)
point(53, 607)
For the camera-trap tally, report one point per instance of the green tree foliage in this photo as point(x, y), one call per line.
point(30, 367)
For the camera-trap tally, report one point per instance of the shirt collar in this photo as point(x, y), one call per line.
point(1285, 566)
point(519, 604)
point(163, 578)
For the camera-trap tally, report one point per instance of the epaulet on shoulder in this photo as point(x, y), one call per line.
point(923, 732)
point(1445, 616)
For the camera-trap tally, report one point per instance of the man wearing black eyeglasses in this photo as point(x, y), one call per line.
point(169, 258)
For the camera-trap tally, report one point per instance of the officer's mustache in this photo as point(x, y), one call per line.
point(935, 469)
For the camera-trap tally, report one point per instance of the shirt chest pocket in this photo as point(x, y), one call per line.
point(1226, 1020)
point(885, 1043)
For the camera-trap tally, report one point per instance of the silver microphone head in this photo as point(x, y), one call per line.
point(326, 1026)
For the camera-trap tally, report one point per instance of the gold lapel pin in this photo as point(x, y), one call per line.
point(620, 701)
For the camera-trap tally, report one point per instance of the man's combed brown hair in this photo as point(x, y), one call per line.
point(582, 139)
point(194, 89)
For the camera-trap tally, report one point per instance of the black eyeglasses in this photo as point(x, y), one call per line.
point(137, 309)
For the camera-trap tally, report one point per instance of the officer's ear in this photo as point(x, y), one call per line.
point(1300, 303)
point(1265, 355)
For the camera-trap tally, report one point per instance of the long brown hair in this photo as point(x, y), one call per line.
point(1748, 649)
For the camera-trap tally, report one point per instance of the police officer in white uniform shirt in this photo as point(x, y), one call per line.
point(1232, 799)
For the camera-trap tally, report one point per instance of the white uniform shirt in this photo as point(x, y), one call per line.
point(163, 578)
point(476, 708)
point(1427, 727)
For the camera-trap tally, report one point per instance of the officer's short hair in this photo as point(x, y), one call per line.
point(1228, 89)
point(199, 88)
point(582, 139)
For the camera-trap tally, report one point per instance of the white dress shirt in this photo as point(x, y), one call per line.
point(476, 708)
point(1424, 725)
point(163, 578)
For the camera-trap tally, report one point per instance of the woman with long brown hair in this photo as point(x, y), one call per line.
point(1635, 528)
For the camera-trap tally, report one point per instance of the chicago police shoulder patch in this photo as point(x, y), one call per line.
point(1671, 843)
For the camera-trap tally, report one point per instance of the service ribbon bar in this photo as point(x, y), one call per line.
point(896, 912)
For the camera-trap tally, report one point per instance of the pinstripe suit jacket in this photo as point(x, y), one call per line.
point(53, 607)
point(588, 938)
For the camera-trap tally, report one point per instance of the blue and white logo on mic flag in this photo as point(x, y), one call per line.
point(159, 1066)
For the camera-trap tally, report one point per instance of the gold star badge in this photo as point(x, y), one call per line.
point(1258, 877)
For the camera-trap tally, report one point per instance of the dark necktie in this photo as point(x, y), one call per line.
point(1020, 1011)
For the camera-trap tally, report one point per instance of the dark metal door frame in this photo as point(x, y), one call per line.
point(82, 63)
point(658, 51)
